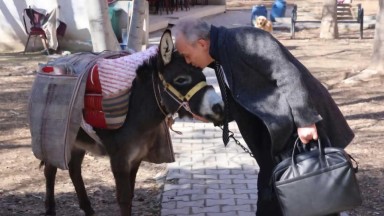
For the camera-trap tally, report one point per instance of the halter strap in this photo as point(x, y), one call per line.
point(181, 97)
point(182, 100)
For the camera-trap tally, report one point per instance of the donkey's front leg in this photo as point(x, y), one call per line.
point(50, 176)
point(124, 173)
point(77, 156)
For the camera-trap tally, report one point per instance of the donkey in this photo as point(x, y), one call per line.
point(164, 85)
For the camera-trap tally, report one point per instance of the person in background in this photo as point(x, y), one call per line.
point(52, 27)
point(272, 96)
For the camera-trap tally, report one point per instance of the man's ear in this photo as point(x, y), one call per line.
point(203, 43)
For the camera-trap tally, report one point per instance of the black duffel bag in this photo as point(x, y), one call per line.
point(317, 182)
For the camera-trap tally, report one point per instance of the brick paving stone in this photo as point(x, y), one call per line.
point(191, 181)
point(215, 140)
point(197, 171)
point(213, 202)
point(253, 196)
point(205, 186)
point(209, 159)
point(244, 181)
point(191, 140)
point(185, 162)
point(252, 185)
point(244, 171)
point(249, 176)
point(177, 186)
point(176, 211)
point(181, 198)
point(244, 213)
point(235, 196)
point(245, 191)
point(190, 191)
point(232, 176)
point(187, 167)
point(204, 196)
point(211, 209)
point(168, 205)
point(219, 181)
point(178, 175)
point(217, 171)
point(200, 214)
point(233, 186)
point(231, 213)
point(220, 191)
point(185, 172)
point(193, 203)
point(170, 193)
point(205, 176)
point(202, 166)
point(237, 207)
point(245, 201)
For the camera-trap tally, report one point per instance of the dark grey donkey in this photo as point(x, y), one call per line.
point(164, 85)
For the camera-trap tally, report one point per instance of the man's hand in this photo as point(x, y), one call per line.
point(307, 134)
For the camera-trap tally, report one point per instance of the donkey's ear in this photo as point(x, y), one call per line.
point(166, 47)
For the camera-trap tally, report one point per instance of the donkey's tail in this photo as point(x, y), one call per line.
point(42, 163)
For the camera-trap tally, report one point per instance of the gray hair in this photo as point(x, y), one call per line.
point(192, 29)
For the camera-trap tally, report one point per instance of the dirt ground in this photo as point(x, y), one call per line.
point(332, 62)
point(22, 182)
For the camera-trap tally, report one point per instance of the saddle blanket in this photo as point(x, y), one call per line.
point(108, 87)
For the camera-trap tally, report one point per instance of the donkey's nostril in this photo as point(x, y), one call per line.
point(218, 109)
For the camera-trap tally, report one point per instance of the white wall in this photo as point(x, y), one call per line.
point(72, 12)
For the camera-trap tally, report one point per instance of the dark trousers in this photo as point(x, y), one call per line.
point(257, 138)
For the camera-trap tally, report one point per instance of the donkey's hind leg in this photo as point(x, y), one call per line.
point(77, 156)
point(50, 176)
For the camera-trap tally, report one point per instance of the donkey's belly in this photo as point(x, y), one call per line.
point(85, 142)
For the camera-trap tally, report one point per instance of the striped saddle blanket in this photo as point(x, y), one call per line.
point(108, 88)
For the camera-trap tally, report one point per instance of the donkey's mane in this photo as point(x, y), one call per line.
point(144, 71)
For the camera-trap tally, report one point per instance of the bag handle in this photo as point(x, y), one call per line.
point(356, 169)
point(322, 160)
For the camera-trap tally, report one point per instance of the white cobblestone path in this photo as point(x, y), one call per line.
point(207, 178)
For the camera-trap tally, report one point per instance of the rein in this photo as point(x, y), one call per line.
point(182, 100)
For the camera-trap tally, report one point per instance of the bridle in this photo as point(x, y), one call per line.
point(182, 100)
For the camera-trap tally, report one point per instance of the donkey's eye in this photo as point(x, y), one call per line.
point(182, 80)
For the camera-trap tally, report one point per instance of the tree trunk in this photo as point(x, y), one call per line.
point(377, 61)
point(328, 29)
point(136, 31)
point(103, 37)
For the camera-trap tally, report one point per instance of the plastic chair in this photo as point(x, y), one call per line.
point(35, 29)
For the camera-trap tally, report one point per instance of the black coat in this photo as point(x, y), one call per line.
point(268, 81)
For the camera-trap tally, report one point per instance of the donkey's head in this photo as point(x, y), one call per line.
point(183, 88)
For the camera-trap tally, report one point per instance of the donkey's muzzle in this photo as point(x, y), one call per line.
point(218, 109)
